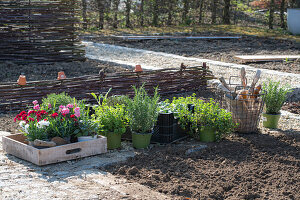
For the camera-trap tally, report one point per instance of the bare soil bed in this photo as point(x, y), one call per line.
point(253, 166)
point(221, 50)
point(36, 72)
point(293, 107)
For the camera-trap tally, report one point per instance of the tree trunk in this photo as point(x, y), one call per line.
point(200, 11)
point(84, 16)
point(155, 13)
point(101, 13)
point(142, 13)
point(128, 9)
point(295, 3)
point(185, 11)
point(116, 9)
point(226, 12)
point(271, 14)
point(282, 4)
point(170, 12)
point(214, 11)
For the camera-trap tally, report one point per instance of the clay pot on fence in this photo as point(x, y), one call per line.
point(22, 80)
point(61, 75)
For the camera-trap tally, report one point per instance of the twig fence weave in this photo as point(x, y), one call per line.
point(37, 31)
point(14, 97)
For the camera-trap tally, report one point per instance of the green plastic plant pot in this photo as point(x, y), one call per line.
point(271, 121)
point(207, 135)
point(141, 141)
point(113, 140)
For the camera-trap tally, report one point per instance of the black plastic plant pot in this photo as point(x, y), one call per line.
point(165, 119)
point(91, 108)
point(191, 108)
point(165, 134)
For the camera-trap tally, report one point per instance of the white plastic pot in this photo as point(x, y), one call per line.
point(293, 20)
point(86, 138)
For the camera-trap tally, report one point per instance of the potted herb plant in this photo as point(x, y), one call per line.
point(210, 122)
point(113, 121)
point(274, 98)
point(183, 108)
point(112, 118)
point(86, 130)
point(142, 114)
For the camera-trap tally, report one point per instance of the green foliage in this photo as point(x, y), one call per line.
point(275, 96)
point(205, 115)
point(110, 113)
point(142, 110)
point(87, 127)
point(210, 115)
point(55, 100)
point(61, 127)
point(116, 100)
point(33, 132)
point(181, 111)
point(112, 119)
point(101, 99)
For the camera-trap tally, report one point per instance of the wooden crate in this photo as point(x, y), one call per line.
point(17, 146)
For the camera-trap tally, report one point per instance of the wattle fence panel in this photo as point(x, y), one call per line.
point(37, 31)
point(14, 97)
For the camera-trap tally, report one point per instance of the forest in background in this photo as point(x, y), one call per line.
point(107, 14)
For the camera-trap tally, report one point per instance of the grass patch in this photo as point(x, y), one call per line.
point(232, 29)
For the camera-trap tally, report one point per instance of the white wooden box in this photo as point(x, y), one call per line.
point(17, 146)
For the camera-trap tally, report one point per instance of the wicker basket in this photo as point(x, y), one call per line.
point(246, 111)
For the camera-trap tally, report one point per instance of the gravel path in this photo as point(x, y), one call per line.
point(79, 179)
point(219, 50)
point(157, 60)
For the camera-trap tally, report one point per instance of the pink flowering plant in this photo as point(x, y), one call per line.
point(53, 102)
point(33, 124)
point(64, 121)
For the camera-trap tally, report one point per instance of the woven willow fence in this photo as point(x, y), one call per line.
point(169, 81)
point(39, 31)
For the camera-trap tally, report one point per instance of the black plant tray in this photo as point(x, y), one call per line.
point(167, 134)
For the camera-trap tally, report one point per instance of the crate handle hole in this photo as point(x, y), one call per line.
point(72, 151)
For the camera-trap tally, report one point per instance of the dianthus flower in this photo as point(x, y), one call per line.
point(65, 111)
point(70, 106)
point(54, 115)
point(36, 107)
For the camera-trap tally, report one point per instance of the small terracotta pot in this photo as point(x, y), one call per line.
point(138, 68)
point(22, 80)
point(61, 75)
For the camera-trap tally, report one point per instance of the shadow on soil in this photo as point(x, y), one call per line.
point(277, 143)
